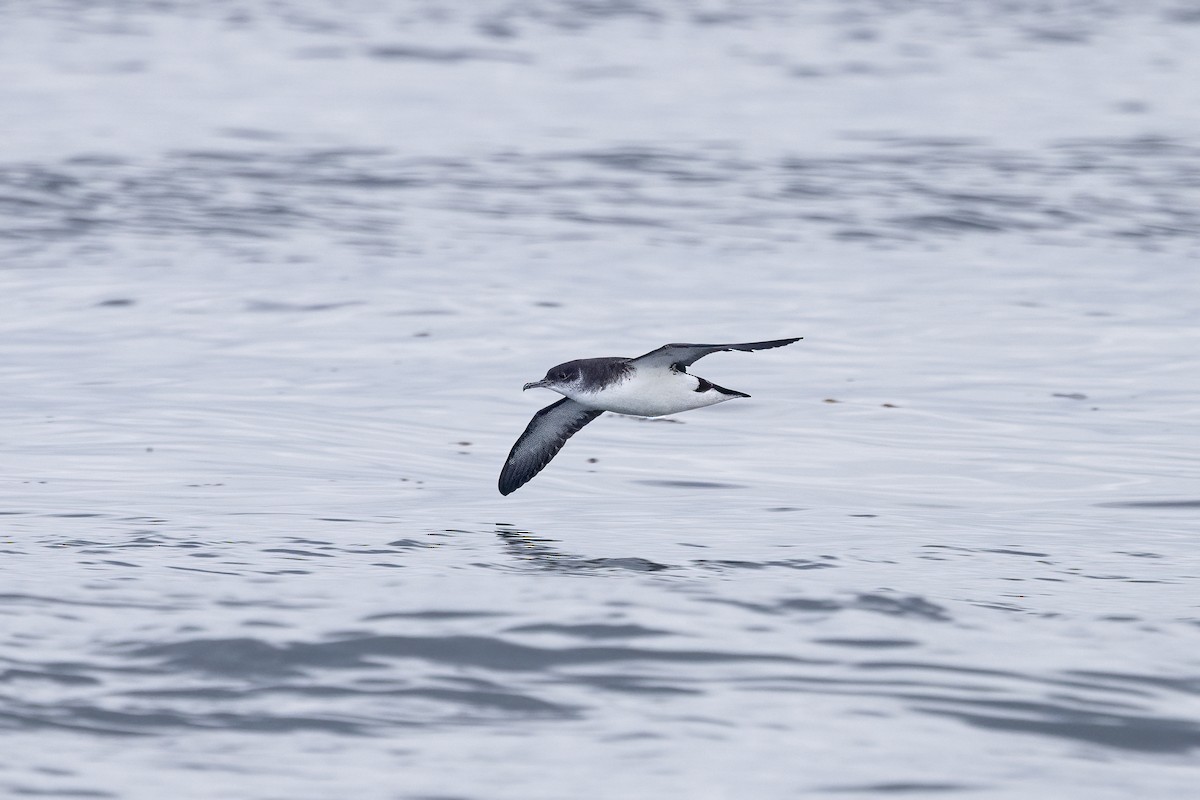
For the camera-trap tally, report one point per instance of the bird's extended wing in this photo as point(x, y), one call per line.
point(546, 434)
point(680, 356)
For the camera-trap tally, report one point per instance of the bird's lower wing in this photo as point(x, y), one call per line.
point(680, 356)
point(546, 434)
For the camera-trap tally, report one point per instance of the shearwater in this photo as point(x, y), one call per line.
point(652, 385)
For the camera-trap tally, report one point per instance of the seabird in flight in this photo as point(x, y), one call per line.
point(652, 385)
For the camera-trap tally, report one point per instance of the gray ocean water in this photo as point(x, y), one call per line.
point(272, 276)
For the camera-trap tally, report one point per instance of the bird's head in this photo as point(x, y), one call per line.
point(562, 379)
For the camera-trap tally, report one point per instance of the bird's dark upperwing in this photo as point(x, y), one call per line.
point(546, 434)
point(680, 356)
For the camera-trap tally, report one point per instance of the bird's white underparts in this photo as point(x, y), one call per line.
point(652, 385)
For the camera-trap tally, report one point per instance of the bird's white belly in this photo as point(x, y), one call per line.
point(651, 395)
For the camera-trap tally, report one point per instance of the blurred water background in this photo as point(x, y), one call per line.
point(272, 275)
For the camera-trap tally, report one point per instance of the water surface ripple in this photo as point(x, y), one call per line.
point(273, 279)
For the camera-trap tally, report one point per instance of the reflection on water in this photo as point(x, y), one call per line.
point(526, 547)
